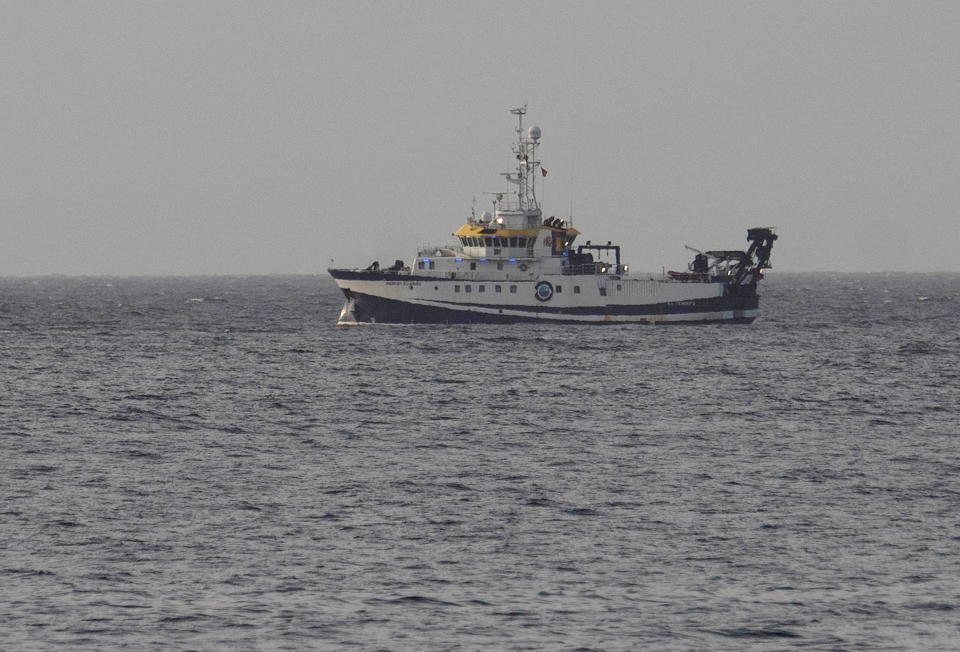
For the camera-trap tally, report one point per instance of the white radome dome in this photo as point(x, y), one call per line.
point(485, 216)
point(533, 133)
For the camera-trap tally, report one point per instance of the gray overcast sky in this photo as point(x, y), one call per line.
point(231, 137)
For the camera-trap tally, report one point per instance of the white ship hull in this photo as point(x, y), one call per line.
point(375, 297)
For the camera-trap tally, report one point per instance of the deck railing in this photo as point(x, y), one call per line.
point(594, 268)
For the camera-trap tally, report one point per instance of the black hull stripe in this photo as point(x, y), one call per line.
point(711, 304)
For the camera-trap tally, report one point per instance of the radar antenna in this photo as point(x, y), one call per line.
point(527, 164)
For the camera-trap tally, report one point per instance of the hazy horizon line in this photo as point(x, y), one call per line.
point(772, 273)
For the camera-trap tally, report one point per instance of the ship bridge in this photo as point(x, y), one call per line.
point(487, 239)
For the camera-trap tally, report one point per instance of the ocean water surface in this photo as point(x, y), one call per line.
point(210, 463)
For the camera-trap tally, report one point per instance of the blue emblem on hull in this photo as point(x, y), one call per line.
point(544, 291)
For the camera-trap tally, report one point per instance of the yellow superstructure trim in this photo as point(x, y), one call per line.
point(477, 230)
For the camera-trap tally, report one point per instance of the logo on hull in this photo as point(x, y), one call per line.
point(544, 291)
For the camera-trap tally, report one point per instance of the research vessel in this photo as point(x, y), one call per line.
point(513, 264)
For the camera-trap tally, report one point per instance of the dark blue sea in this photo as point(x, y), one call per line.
point(212, 464)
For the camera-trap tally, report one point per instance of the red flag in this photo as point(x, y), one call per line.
point(543, 171)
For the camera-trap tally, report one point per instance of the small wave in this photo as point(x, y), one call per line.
point(326, 516)
point(582, 511)
point(184, 619)
point(746, 632)
point(458, 486)
point(32, 572)
point(412, 599)
point(100, 630)
point(919, 348)
point(135, 454)
point(117, 605)
point(541, 502)
point(933, 606)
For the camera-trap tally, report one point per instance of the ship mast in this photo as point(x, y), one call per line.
point(525, 151)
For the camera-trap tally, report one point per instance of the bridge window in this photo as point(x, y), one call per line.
point(603, 292)
point(558, 289)
point(456, 288)
point(473, 265)
point(489, 241)
point(619, 287)
point(497, 288)
point(521, 241)
point(513, 289)
point(513, 241)
point(576, 289)
point(499, 265)
point(468, 288)
point(433, 265)
point(482, 288)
